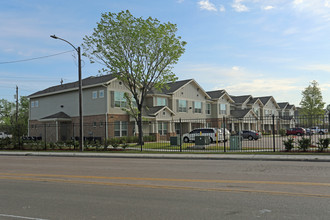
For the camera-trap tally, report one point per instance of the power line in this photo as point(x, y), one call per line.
point(36, 58)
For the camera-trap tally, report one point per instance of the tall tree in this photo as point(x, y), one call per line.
point(139, 52)
point(312, 104)
point(6, 110)
point(8, 116)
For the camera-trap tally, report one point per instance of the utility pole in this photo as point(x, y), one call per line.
point(17, 127)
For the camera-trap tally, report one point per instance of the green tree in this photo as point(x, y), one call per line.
point(312, 105)
point(6, 109)
point(139, 52)
point(8, 116)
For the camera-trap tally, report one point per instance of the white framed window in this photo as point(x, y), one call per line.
point(32, 104)
point(208, 109)
point(223, 109)
point(120, 128)
point(162, 128)
point(197, 107)
point(94, 95)
point(120, 100)
point(36, 104)
point(182, 106)
point(101, 94)
point(161, 101)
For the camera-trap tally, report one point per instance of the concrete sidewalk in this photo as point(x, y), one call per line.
point(312, 157)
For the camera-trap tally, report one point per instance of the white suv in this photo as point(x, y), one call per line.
point(211, 132)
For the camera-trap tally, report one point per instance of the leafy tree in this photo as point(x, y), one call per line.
point(139, 52)
point(312, 104)
point(8, 116)
point(6, 109)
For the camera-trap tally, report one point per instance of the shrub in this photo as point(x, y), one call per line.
point(289, 144)
point(114, 142)
point(132, 139)
point(282, 132)
point(304, 143)
point(323, 143)
point(149, 138)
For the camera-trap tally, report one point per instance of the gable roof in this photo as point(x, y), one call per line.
point(283, 105)
point(153, 111)
point(90, 81)
point(254, 100)
point(171, 88)
point(266, 99)
point(240, 99)
point(60, 116)
point(241, 113)
point(217, 94)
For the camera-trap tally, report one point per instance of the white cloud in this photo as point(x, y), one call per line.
point(269, 7)
point(298, 2)
point(207, 5)
point(235, 68)
point(317, 67)
point(222, 8)
point(238, 6)
point(180, 1)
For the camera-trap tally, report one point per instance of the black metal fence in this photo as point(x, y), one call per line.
point(249, 134)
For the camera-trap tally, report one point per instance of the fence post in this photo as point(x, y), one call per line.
point(180, 135)
point(224, 134)
point(273, 117)
point(45, 129)
point(105, 135)
point(329, 122)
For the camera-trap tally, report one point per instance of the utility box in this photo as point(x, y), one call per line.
point(235, 142)
point(175, 141)
point(202, 140)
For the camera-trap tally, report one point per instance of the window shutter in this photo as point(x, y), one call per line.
point(112, 96)
point(177, 105)
point(186, 106)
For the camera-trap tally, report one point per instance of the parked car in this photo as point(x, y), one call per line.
point(296, 131)
point(250, 134)
point(3, 135)
point(309, 131)
point(318, 130)
point(211, 132)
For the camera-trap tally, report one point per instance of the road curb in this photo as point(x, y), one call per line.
point(313, 158)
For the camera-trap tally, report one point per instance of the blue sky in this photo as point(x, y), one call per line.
point(256, 47)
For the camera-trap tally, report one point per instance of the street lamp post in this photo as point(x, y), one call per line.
point(81, 139)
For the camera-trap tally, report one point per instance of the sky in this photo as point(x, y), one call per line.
point(247, 47)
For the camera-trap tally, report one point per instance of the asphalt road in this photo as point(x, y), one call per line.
point(119, 188)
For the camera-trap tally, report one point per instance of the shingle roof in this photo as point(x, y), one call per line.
point(170, 87)
point(92, 80)
point(264, 99)
point(283, 104)
point(240, 99)
point(240, 113)
point(216, 94)
point(59, 115)
point(252, 101)
point(152, 111)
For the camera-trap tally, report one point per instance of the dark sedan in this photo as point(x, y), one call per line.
point(251, 135)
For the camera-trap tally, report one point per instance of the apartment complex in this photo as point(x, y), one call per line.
point(185, 101)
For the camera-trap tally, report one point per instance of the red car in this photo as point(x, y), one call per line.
point(296, 131)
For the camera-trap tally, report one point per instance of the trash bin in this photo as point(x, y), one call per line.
point(235, 142)
point(202, 140)
point(175, 141)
